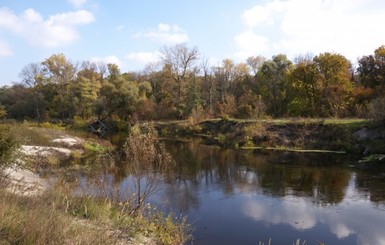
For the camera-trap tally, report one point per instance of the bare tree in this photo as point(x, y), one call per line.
point(182, 61)
point(32, 77)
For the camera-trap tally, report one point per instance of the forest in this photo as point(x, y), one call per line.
point(183, 85)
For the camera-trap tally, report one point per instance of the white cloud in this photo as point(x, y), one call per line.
point(300, 26)
point(291, 211)
point(111, 59)
point(144, 57)
point(262, 14)
point(57, 30)
point(5, 50)
point(165, 33)
point(77, 3)
point(250, 43)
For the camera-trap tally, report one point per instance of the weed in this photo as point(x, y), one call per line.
point(94, 147)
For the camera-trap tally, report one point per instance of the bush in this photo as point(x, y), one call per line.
point(377, 109)
point(7, 144)
point(143, 156)
point(3, 112)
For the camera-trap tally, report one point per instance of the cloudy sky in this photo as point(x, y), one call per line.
point(130, 33)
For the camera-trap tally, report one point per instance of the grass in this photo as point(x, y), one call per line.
point(94, 147)
point(58, 217)
point(55, 218)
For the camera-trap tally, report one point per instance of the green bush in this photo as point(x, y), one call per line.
point(7, 144)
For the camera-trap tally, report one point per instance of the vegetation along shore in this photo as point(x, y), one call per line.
point(66, 120)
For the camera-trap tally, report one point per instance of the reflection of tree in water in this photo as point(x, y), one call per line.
point(316, 176)
point(371, 182)
point(277, 174)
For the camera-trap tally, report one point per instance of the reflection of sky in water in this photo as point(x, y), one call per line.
point(231, 199)
point(352, 216)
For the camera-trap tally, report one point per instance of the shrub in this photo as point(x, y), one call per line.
point(7, 144)
point(144, 156)
point(377, 109)
point(3, 112)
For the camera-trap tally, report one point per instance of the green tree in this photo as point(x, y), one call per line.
point(305, 79)
point(371, 71)
point(85, 90)
point(59, 74)
point(274, 75)
point(18, 102)
point(117, 96)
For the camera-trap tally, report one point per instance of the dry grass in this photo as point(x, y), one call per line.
point(40, 220)
point(56, 218)
point(59, 217)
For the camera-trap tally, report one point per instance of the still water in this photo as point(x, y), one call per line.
point(246, 197)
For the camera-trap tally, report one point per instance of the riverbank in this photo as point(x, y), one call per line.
point(38, 205)
point(355, 136)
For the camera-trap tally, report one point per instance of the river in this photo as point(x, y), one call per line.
point(248, 197)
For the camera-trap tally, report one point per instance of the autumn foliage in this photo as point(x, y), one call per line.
point(181, 86)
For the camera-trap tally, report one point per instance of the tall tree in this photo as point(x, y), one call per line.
point(182, 62)
point(336, 85)
point(208, 86)
point(274, 76)
point(371, 69)
point(118, 96)
point(305, 79)
point(59, 73)
point(85, 89)
point(32, 76)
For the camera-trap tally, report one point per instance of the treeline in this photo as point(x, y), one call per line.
point(182, 85)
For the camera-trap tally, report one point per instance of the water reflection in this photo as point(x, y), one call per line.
point(274, 174)
point(243, 197)
point(320, 197)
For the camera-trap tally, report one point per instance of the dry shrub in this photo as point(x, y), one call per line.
point(198, 114)
point(377, 109)
point(144, 158)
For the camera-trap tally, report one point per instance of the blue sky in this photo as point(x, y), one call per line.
point(131, 33)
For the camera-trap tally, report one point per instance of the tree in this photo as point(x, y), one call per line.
point(207, 86)
point(274, 76)
point(117, 96)
point(305, 79)
point(18, 102)
point(371, 69)
point(85, 89)
point(223, 77)
point(335, 81)
point(182, 62)
point(32, 77)
point(59, 73)
point(255, 63)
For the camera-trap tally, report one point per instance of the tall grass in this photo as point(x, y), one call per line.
point(60, 217)
point(55, 218)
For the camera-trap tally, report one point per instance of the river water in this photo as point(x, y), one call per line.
point(247, 197)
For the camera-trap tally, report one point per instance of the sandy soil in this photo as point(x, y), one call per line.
point(25, 182)
point(69, 141)
point(30, 150)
